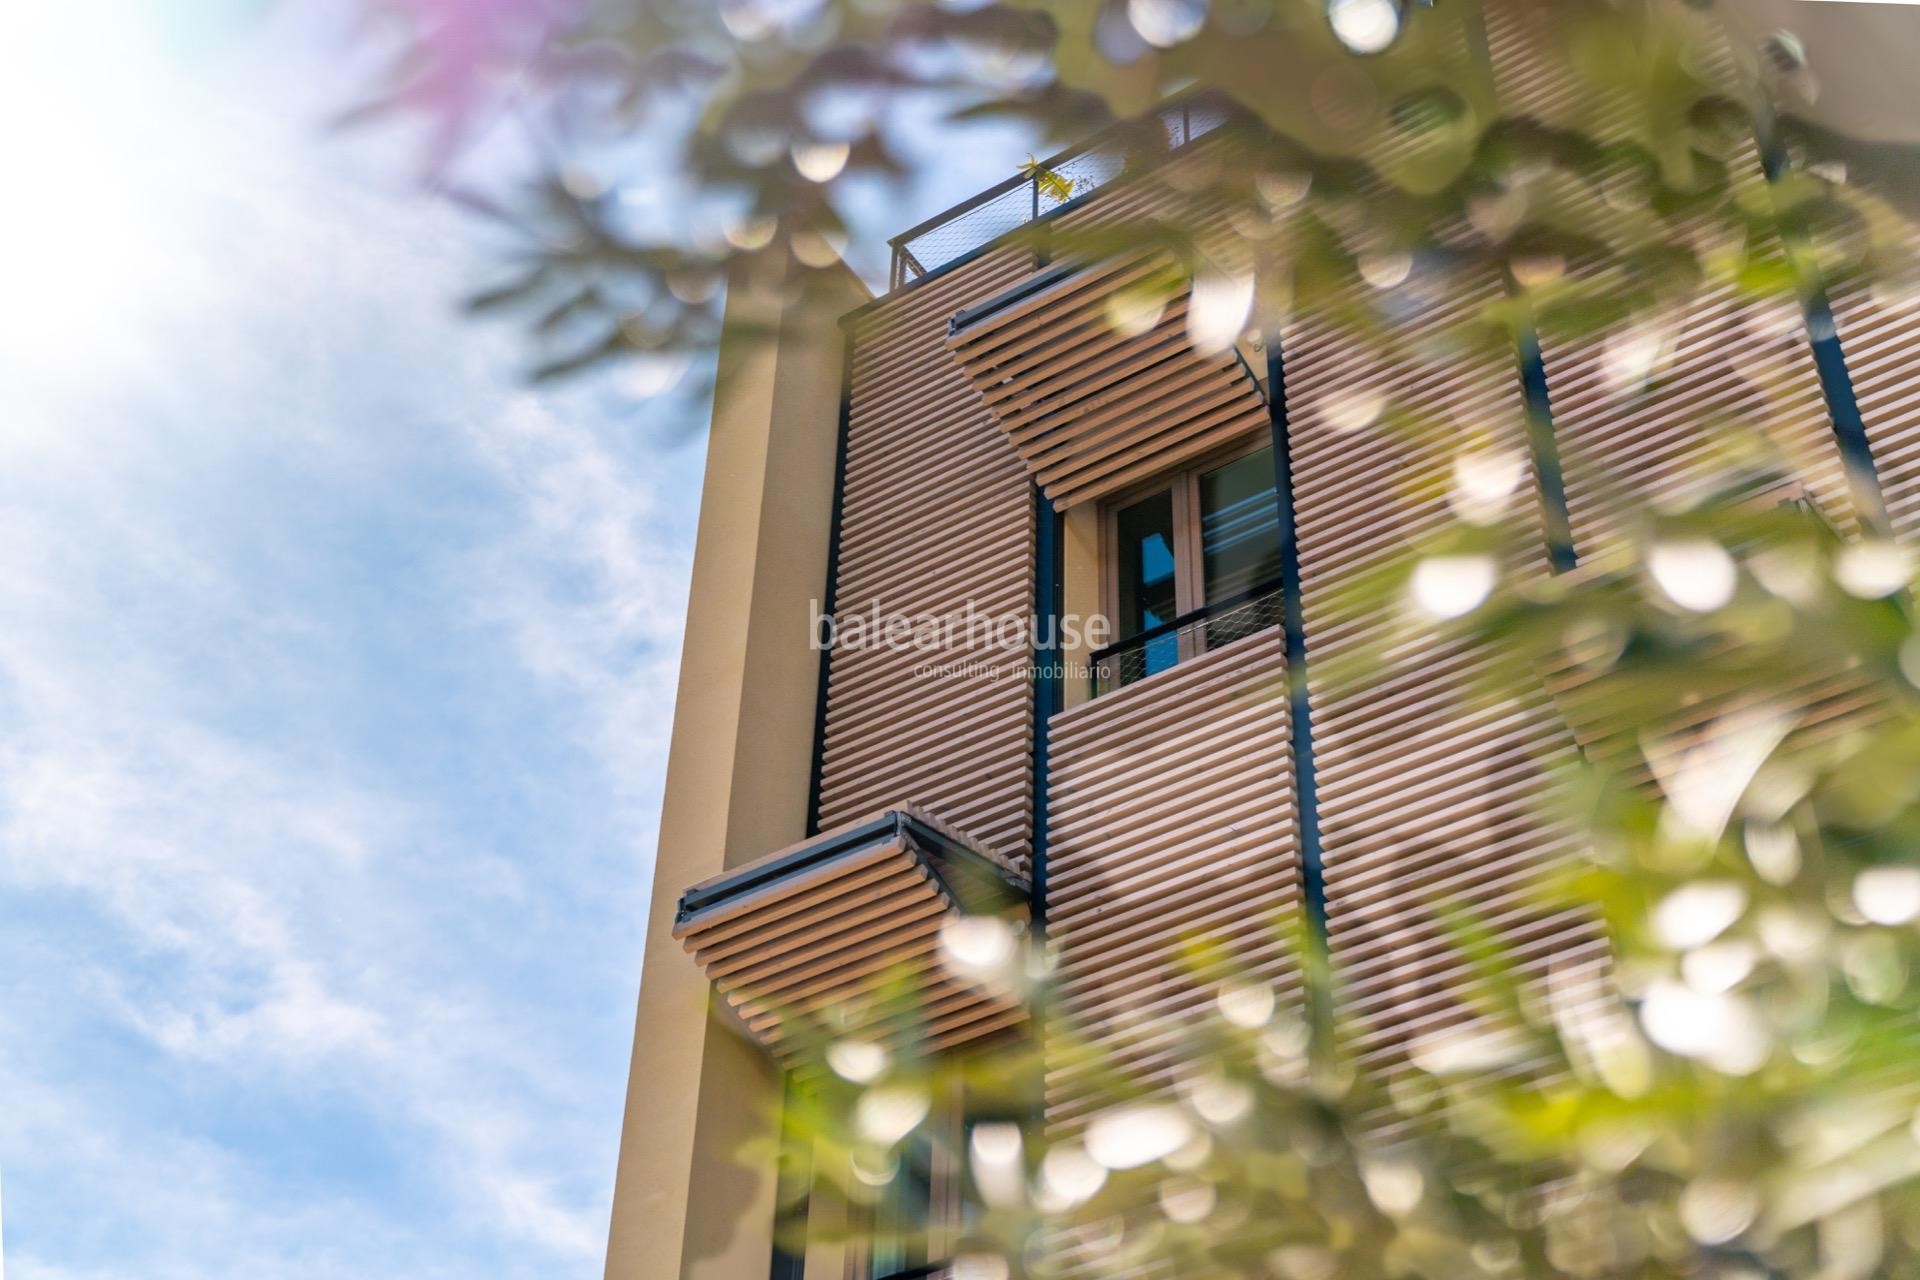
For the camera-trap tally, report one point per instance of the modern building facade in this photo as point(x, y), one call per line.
point(1003, 439)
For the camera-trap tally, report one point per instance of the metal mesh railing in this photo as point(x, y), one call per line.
point(1058, 180)
point(1205, 629)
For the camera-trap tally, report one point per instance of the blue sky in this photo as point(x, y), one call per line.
point(336, 670)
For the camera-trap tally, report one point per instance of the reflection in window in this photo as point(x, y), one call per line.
point(1204, 546)
point(1148, 577)
point(1239, 526)
point(905, 1212)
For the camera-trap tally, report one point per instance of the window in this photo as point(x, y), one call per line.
point(929, 1206)
point(1149, 578)
point(1194, 563)
point(904, 1219)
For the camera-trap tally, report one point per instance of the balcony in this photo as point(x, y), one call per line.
point(843, 935)
point(1173, 866)
point(1213, 626)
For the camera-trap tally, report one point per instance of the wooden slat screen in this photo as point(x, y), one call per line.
point(1878, 326)
point(1427, 791)
point(1636, 412)
point(937, 515)
point(1171, 818)
point(1628, 445)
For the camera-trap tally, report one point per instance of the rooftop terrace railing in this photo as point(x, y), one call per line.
point(1052, 184)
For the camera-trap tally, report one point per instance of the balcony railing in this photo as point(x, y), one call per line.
point(1055, 183)
point(1200, 631)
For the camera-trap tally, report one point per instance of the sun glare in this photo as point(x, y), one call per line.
point(85, 111)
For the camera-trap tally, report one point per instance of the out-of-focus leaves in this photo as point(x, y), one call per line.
point(1051, 184)
point(1644, 149)
point(1732, 1095)
point(1732, 1089)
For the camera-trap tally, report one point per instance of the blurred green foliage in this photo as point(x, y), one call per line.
point(1732, 1096)
point(755, 119)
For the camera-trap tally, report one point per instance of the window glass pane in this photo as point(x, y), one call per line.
point(905, 1212)
point(1146, 565)
point(1147, 595)
point(1239, 526)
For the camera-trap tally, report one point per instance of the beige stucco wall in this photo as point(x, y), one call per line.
point(1080, 592)
point(685, 1204)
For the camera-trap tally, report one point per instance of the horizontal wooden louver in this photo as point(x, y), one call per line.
point(1878, 326)
point(1427, 790)
point(843, 931)
point(1170, 820)
point(1638, 415)
point(1641, 414)
point(1632, 441)
point(1815, 696)
point(1091, 404)
point(936, 521)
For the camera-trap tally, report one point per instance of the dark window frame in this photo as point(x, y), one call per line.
point(1189, 561)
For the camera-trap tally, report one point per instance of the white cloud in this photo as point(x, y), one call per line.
point(606, 626)
point(335, 673)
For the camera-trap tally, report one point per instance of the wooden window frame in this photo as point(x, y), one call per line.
point(1189, 564)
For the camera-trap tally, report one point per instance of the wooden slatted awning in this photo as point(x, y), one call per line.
point(841, 934)
point(1090, 407)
